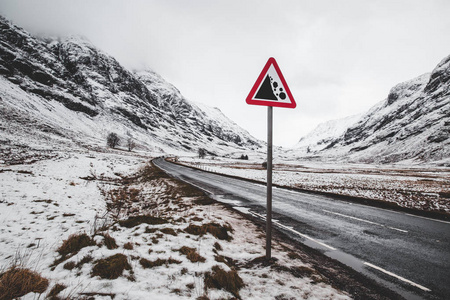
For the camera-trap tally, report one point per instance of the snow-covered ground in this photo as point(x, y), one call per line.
point(42, 204)
point(419, 187)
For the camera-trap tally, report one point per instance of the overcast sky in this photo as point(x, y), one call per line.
point(339, 58)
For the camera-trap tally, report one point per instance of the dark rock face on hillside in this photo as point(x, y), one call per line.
point(89, 82)
point(412, 123)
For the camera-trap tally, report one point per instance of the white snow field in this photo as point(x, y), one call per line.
point(44, 203)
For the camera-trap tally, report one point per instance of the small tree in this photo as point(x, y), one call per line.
point(112, 140)
point(130, 144)
point(201, 153)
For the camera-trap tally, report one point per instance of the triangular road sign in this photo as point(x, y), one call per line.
point(270, 89)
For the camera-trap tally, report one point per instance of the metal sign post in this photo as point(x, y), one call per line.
point(270, 89)
point(269, 183)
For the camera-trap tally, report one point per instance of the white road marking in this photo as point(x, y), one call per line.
point(398, 277)
point(399, 212)
point(295, 231)
point(366, 221)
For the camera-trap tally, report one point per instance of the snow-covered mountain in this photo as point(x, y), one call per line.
point(413, 122)
point(324, 133)
point(65, 92)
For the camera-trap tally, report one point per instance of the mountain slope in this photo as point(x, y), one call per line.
point(412, 123)
point(325, 133)
point(66, 92)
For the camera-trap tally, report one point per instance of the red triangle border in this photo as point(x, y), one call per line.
point(250, 100)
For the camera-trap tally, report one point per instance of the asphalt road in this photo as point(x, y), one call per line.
point(409, 254)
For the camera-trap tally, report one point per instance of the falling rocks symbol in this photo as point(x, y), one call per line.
point(265, 91)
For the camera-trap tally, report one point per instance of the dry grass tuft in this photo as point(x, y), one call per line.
point(109, 242)
point(111, 267)
point(17, 282)
point(87, 259)
point(217, 246)
point(217, 230)
point(56, 289)
point(75, 243)
point(128, 246)
point(69, 265)
point(220, 279)
point(192, 254)
point(137, 220)
point(205, 200)
point(226, 260)
point(145, 263)
point(168, 231)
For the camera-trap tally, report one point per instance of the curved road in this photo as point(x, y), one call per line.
point(409, 254)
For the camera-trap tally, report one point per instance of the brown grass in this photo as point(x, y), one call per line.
point(220, 279)
point(217, 246)
point(137, 220)
point(150, 172)
point(109, 242)
point(168, 231)
point(121, 199)
point(75, 243)
point(192, 254)
point(226, 260)
point(87, 259)
point(69, 265)
point(56, 289)
point(145, 263)
point(111, 267)
point(128, 246)
point(17, 282)
point(217, 230)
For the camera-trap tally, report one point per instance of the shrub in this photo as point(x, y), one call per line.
point(111, 267)
point(220, 279)
point(201, 153)
point(17, 282)
point(75, 243)
point(130, 144)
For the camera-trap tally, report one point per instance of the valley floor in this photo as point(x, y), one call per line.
point(419, 188)
point(112, 226)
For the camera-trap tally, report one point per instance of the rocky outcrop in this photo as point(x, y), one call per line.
point(87, 81)
point(413, 122)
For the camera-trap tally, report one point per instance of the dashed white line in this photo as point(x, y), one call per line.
point(398, 277)
point(366, 221)
point(296, 232)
